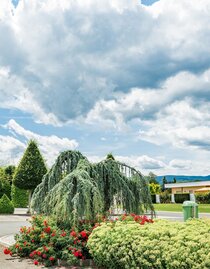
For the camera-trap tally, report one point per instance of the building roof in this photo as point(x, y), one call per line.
point(187, 184)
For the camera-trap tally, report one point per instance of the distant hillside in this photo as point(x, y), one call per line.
point(170, 178)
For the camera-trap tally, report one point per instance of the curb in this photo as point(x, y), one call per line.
point(7, 240)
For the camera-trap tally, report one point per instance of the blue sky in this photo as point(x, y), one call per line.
point(107, 76)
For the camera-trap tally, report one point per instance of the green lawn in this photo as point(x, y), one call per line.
point(178, 207)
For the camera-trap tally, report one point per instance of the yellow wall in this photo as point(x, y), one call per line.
point(186, 189)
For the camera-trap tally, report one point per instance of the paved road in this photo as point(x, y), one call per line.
point(177, 216)
point(10, 224)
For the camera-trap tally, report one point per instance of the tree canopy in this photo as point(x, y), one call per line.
point(31, 168)
point(74, 188)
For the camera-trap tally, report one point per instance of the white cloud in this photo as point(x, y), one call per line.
point(143, 162)
point(181, 164)
point(50, 146)
point(10, 150)
point(66, 55)
point(146, 164)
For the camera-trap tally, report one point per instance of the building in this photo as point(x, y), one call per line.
point(189, 187)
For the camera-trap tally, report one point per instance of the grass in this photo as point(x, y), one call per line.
point(178, 207)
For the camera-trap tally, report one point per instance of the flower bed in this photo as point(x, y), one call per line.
point(163, 245)
point(48, 242)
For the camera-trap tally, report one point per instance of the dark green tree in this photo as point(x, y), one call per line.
point(9, 172)
point(30, 170)
point(174, 180)
point(164, 181)
point(110, 156)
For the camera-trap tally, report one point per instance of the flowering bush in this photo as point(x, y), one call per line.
point(163, 245)
point(46, 243)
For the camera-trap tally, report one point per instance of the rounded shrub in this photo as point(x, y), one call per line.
point(19, 197)
point(162, 245)
point(203, 198)
point(6, 206)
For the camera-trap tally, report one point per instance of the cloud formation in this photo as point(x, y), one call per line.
point(66, 56)
point(13, 146)
point(115, 64)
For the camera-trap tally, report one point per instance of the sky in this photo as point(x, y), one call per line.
point(100, 76)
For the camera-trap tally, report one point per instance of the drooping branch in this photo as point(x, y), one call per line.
point(74, 188)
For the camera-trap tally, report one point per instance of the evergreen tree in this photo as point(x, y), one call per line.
point(89, 189)
point(164, 181)
point(174, 180)
point(110, 156)
point(30, 170)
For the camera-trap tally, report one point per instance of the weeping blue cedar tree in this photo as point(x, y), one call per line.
point(74, 188)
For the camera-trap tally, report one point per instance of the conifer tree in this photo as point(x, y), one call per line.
point(31, 169)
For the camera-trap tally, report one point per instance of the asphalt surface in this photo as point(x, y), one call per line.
point(177, 216)
point(10, 224)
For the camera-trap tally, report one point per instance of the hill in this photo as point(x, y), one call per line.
point(182, 178)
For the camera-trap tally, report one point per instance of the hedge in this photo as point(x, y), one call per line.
point(181, 197)
point(19, 197)
point(162, 245)
point(203, 198)
point(6, 206)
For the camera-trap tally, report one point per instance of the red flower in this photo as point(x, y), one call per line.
point(51, 258)
point(63, 234)
point(32, 240)
point(83, 234)
point(77, 254)
point(45, 223)
point(45, 248)
point(47, 230)
point(39, 253)
point(73, 233)
point(53, 234)
point(44, 256)
point(31, 255)
point(36, 262)
point(17, 246)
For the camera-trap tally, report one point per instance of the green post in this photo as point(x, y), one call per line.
point(190, 210)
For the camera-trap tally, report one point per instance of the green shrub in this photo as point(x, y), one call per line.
point(6, 206)
point(154, 188)
point(203, 198)
point(162, 245)
point(181, 197)
point(165, 197)
point(6, 189)
point(19, 197)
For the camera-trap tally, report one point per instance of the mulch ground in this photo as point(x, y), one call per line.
point(8, 262)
